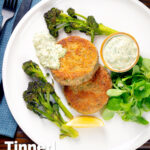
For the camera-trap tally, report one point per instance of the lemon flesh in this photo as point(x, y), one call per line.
point(85, 122)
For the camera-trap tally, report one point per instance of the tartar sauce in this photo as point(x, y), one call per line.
point(47, 51)
point(120, 52)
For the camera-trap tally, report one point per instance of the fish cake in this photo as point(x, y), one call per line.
point(90, 96)
point(79, 63)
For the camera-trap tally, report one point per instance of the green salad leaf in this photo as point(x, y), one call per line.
point(130, 95)
point(108, 114)
point(136, 70)
point(146, 104)
point(114, 103)
point(115, 92)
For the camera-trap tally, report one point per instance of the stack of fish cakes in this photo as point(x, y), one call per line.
point(85, 81)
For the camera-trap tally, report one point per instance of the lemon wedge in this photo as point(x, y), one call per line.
point(85, 122)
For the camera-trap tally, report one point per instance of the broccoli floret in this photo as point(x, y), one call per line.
point(51, 20)
point(47, 87)
point(68, 29)
point(94, 27)
point(54, 33)
point(33, 70)
point(51, 15)
point(91, 22)
point(71, 12)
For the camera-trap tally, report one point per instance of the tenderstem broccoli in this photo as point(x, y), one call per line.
point(56, 20)
point(38, 99)
point(34, 71)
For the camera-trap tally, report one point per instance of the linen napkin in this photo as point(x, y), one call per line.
point(8, 125)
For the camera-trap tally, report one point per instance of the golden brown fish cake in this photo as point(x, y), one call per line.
point(80, 62)
point(90, 96)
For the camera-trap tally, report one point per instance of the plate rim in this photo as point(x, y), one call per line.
point(5, 58)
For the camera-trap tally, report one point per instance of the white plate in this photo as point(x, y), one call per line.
point(124, 15)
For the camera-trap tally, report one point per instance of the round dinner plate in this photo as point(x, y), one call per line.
point(129, 16)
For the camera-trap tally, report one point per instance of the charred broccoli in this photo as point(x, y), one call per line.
point(33, 70)
point(56, 20)
point(71, 12)
point(38, 100)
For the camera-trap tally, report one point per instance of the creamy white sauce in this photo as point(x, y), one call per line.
point(120, 52)
point(47, 51)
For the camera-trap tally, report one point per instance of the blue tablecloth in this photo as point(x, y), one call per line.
point(8, 125)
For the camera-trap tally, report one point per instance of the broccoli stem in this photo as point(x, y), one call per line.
point(104, 30)
point(61, 27)
point(45, 103)
point(92, 36)
point(56, 118)
point(61, 118)
point(65, 130)
point(81, 16)
point(67, 19)
point(68, 131)
point(62, 106)
point(48, 101)
point(47, 115)
point(41, 76)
